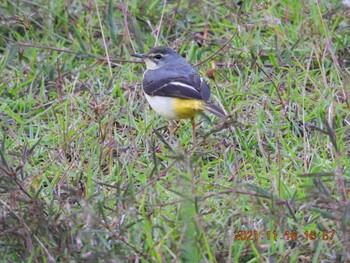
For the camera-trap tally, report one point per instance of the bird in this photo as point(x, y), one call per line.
point(173, 88)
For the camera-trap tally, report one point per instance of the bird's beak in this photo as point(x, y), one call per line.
point(139, 55)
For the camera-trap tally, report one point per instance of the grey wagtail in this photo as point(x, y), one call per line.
point(173, 87)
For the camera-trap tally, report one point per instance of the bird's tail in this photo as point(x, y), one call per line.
point(215, 110)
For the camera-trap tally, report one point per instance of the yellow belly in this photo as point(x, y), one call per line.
point(187, 108)
point(175, 108)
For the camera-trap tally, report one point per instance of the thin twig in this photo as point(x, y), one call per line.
point(160, 23)
point(104, 40)
point(79, 54)
point(215, 53)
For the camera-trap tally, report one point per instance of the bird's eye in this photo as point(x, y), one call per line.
point(158, 56)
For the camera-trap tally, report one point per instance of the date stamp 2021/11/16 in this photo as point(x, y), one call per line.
point(246, 235)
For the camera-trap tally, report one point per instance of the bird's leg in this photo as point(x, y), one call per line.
point(173, 126)
point(193, 130)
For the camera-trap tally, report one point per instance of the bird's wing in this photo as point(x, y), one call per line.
point(192, 87)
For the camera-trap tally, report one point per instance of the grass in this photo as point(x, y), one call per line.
point(88, 174)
